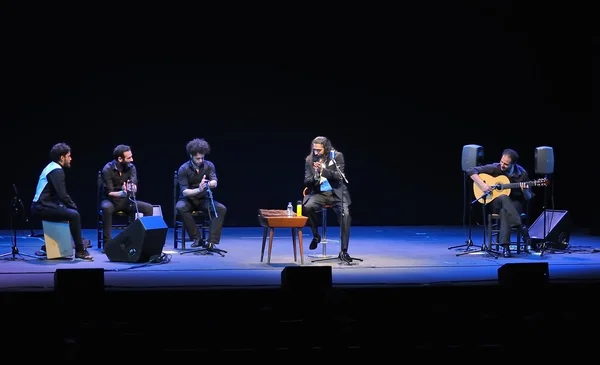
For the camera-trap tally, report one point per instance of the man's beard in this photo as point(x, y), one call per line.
point(196, 165)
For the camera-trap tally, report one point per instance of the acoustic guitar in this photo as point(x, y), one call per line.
point(501, 185)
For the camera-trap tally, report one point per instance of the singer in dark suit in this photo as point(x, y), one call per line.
point(195, 177)
point(326, 186)
point(119, 186)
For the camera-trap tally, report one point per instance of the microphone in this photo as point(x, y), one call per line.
point(332, 154)
point(130, 191)
point(316, 159)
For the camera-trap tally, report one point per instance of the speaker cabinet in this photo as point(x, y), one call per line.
point(527, 275)
point(306, 278)
point(76, 288)
point(79, 280)
point(553, 226)
point(544, 160)
point(144, 238)
point(472, 155)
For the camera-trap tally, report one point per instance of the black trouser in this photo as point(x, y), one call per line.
point(109, 207)
point(510, 216)
point(185, 207)
point(61, 214)
point(315, 204)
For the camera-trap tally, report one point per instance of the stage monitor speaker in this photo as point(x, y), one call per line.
point(524, 274)
point(472, 155)
point(544, 160)
point(306, 278)
point(143, 239)
point(78, 280)
point(553, 226)
point(76, 288)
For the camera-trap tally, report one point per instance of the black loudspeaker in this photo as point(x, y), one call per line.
point(306, 278)
point(144, 238)
point(553, 226)
point(75, 288)
point(472, 155)
point(544, 160)
point(78, 280)
point(527, 275)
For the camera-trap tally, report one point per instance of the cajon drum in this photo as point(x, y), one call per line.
point(57, 238)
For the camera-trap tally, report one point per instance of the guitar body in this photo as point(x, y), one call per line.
point(501, 185)
point(491, 181)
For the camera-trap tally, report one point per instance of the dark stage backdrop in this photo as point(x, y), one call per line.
point(399, 93)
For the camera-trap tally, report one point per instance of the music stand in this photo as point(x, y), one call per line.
point(547, 246)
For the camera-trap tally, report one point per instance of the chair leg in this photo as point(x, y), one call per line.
point(489, 231)
point(99, 235)
point(175, 235)
point(324, 240)
point(324, 232)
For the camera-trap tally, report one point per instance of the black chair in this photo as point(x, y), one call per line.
point(121, 219)
point(493, 229)
point(179, 233)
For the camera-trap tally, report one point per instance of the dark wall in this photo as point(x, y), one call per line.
point(399, 92)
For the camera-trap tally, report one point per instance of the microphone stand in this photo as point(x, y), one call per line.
point(210, 247)
point(484, 247)
point(14, 250)
point(132, 198)
point(343, 176)
point(469, 242)
point(24, 215)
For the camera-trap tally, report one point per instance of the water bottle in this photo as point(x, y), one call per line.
point(290, 209)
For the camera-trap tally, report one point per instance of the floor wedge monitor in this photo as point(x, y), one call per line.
point(140, 242)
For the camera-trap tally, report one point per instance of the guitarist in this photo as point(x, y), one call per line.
point(508, 207)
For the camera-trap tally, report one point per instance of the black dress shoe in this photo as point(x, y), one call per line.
point(506, 251)
point(198, 242)
point(315, 241)
point(345, 257)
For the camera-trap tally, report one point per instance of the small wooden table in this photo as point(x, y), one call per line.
point(275, 218)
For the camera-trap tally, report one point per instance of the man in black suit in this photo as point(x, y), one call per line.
point(326, 186)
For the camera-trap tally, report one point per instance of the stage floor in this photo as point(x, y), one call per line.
point(392, 256)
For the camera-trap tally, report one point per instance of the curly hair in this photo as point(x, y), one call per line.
point(59, 150)
point(197, 145)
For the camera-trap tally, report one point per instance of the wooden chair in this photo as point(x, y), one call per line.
point(324, 240)
point(201, 218)
point(121, 219)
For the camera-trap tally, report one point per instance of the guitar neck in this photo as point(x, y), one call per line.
point(514, 185)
